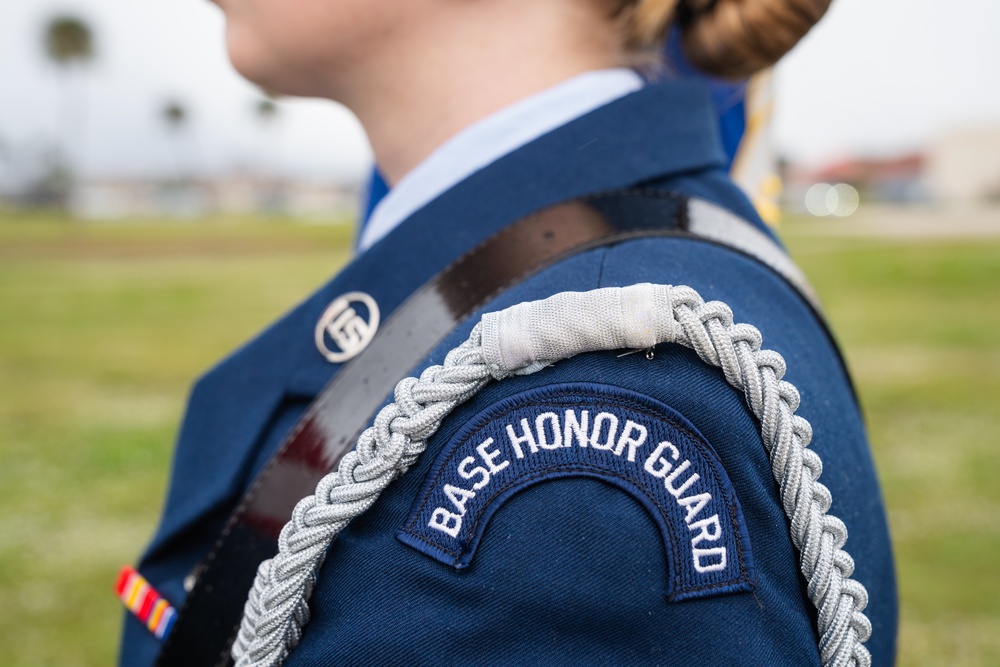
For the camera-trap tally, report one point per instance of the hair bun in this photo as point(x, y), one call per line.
point(735, 38)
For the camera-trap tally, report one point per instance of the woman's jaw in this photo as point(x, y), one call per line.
point(415, 72)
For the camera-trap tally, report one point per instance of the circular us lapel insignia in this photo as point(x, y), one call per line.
point(342, 331)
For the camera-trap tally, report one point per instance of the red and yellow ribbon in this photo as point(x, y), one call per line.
point(142, 600)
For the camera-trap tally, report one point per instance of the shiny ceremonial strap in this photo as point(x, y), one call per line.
point(209, 619)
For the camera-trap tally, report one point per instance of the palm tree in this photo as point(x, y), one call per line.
point(68, 40)
point(274, 194)
point(69, 45)
point(266, 111)
point(175, 116)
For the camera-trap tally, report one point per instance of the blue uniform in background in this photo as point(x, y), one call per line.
point(573, 569)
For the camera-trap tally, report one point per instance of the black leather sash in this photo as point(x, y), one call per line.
point(210, 616)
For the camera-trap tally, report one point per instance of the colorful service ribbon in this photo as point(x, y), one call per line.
point(142, 600)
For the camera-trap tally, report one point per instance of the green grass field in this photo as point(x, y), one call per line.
point(104, 326)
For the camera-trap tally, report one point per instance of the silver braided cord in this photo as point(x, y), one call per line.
point(277, 607)
point(709, 330)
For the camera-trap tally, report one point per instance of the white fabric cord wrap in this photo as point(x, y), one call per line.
point(524, 339)
point(531, 335)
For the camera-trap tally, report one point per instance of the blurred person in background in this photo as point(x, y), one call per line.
point(612, 508)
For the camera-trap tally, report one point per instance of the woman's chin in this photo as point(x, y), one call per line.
point(266, 69)
point(251, 61)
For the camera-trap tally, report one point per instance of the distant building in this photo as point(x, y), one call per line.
point(898, 179)
point(234, 195)
point(964, 165)
point(111, 199)
point(960, 166)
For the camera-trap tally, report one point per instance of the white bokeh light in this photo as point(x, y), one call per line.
point(839, 200)
point(817, 199)
point(847, 200)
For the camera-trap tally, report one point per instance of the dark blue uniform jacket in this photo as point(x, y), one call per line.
point(571, 570)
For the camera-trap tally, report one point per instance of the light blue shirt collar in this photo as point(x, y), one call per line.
point(489, 139)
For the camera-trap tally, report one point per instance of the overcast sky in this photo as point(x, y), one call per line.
point(876, 77)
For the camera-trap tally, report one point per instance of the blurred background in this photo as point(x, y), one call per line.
point(156, 211)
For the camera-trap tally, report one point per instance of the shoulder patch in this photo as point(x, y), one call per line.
point(617, 436)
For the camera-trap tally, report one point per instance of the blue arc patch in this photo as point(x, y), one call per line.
point(619, 437)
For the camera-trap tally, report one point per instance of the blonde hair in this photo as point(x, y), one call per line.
point(728, 38)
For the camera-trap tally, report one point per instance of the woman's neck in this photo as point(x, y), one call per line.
point(456, 69)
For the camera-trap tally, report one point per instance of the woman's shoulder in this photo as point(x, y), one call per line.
point(626, 488)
